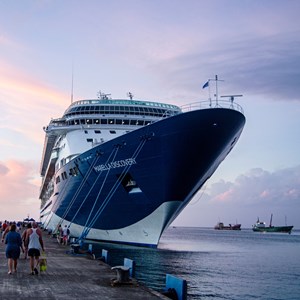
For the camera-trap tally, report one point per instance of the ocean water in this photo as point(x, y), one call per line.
point(219, 264)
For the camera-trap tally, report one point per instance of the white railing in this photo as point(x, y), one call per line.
point(211, 104)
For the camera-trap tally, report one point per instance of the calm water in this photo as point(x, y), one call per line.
point(220, 264)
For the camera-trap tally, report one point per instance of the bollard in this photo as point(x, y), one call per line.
point(176, 288)
point(122, 274)
point(131, 265)
point(104, 256)
point(75, 248)
point(125, 273)
point(72, 240)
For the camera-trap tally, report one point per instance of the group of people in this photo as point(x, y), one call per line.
point(62, 234)
point(31, 243)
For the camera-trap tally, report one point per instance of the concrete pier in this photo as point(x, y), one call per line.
point(67, 277)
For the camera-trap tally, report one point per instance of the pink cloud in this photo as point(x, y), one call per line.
point(264, 194)
point(14, 82)
point(19, 189)
point(225, 196)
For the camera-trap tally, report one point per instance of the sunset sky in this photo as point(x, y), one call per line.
point(162, 51)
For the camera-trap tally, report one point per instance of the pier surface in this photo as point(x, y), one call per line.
point(67, 277)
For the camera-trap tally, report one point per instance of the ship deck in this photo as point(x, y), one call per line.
point(67, 277)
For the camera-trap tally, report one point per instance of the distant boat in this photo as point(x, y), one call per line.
point(261, 227)
point(221, 226)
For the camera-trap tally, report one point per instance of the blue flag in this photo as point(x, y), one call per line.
point(205, 84)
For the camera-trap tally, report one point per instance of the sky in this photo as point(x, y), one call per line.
point(160, 50)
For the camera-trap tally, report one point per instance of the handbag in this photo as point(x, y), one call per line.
point(43, 263)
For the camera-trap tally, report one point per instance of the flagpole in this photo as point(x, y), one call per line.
point(216, 78)
point(209, 96)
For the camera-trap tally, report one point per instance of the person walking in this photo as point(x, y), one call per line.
point(13, 243)
point(24, 239)
point(34, 240)
point(65, 233)
point(59, 234)
point(6, 230)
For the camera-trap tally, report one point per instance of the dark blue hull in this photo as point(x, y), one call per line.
point(118, 184)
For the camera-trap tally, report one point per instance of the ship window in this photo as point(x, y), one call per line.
point(112, 131)
point(89, 121)
point(86, 132)
point(117, 109)
point(126, 122)
point(64, 175)
point(119, 122)
point(76, 171)
point(103, 121)
point(82, 121)
point(139, 122)
point(132, 122)
point(57, 180)
point(96, 121)
point(111, 121)
point(46, 206)
point(97, 131)
point(89, 140)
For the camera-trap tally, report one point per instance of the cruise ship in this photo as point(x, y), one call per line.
point(122, 170)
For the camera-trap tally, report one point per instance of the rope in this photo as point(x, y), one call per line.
point(77, 191)
point(92, 188)
point(88, 227)
point(204, 188)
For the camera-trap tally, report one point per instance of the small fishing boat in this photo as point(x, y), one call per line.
point(221, 226)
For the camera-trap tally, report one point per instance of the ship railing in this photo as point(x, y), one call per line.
point(211, 104)
point(56, 124)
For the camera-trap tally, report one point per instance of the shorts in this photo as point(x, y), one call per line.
point(13, 253)
point(34, 252)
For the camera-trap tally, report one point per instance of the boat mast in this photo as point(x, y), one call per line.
point(271, 220)
point(217, 91)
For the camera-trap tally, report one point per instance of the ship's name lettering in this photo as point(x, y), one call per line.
point(115, 164)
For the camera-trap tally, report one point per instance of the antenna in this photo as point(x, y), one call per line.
point(231, 97)
point(72, 85)
point(216, 79)
point(103, 96)
point(130, 95)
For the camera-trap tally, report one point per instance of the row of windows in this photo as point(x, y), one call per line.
point(109, 122)
point(120, 110)
point(99, 131)
point(123, 102)
point(72, 172)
